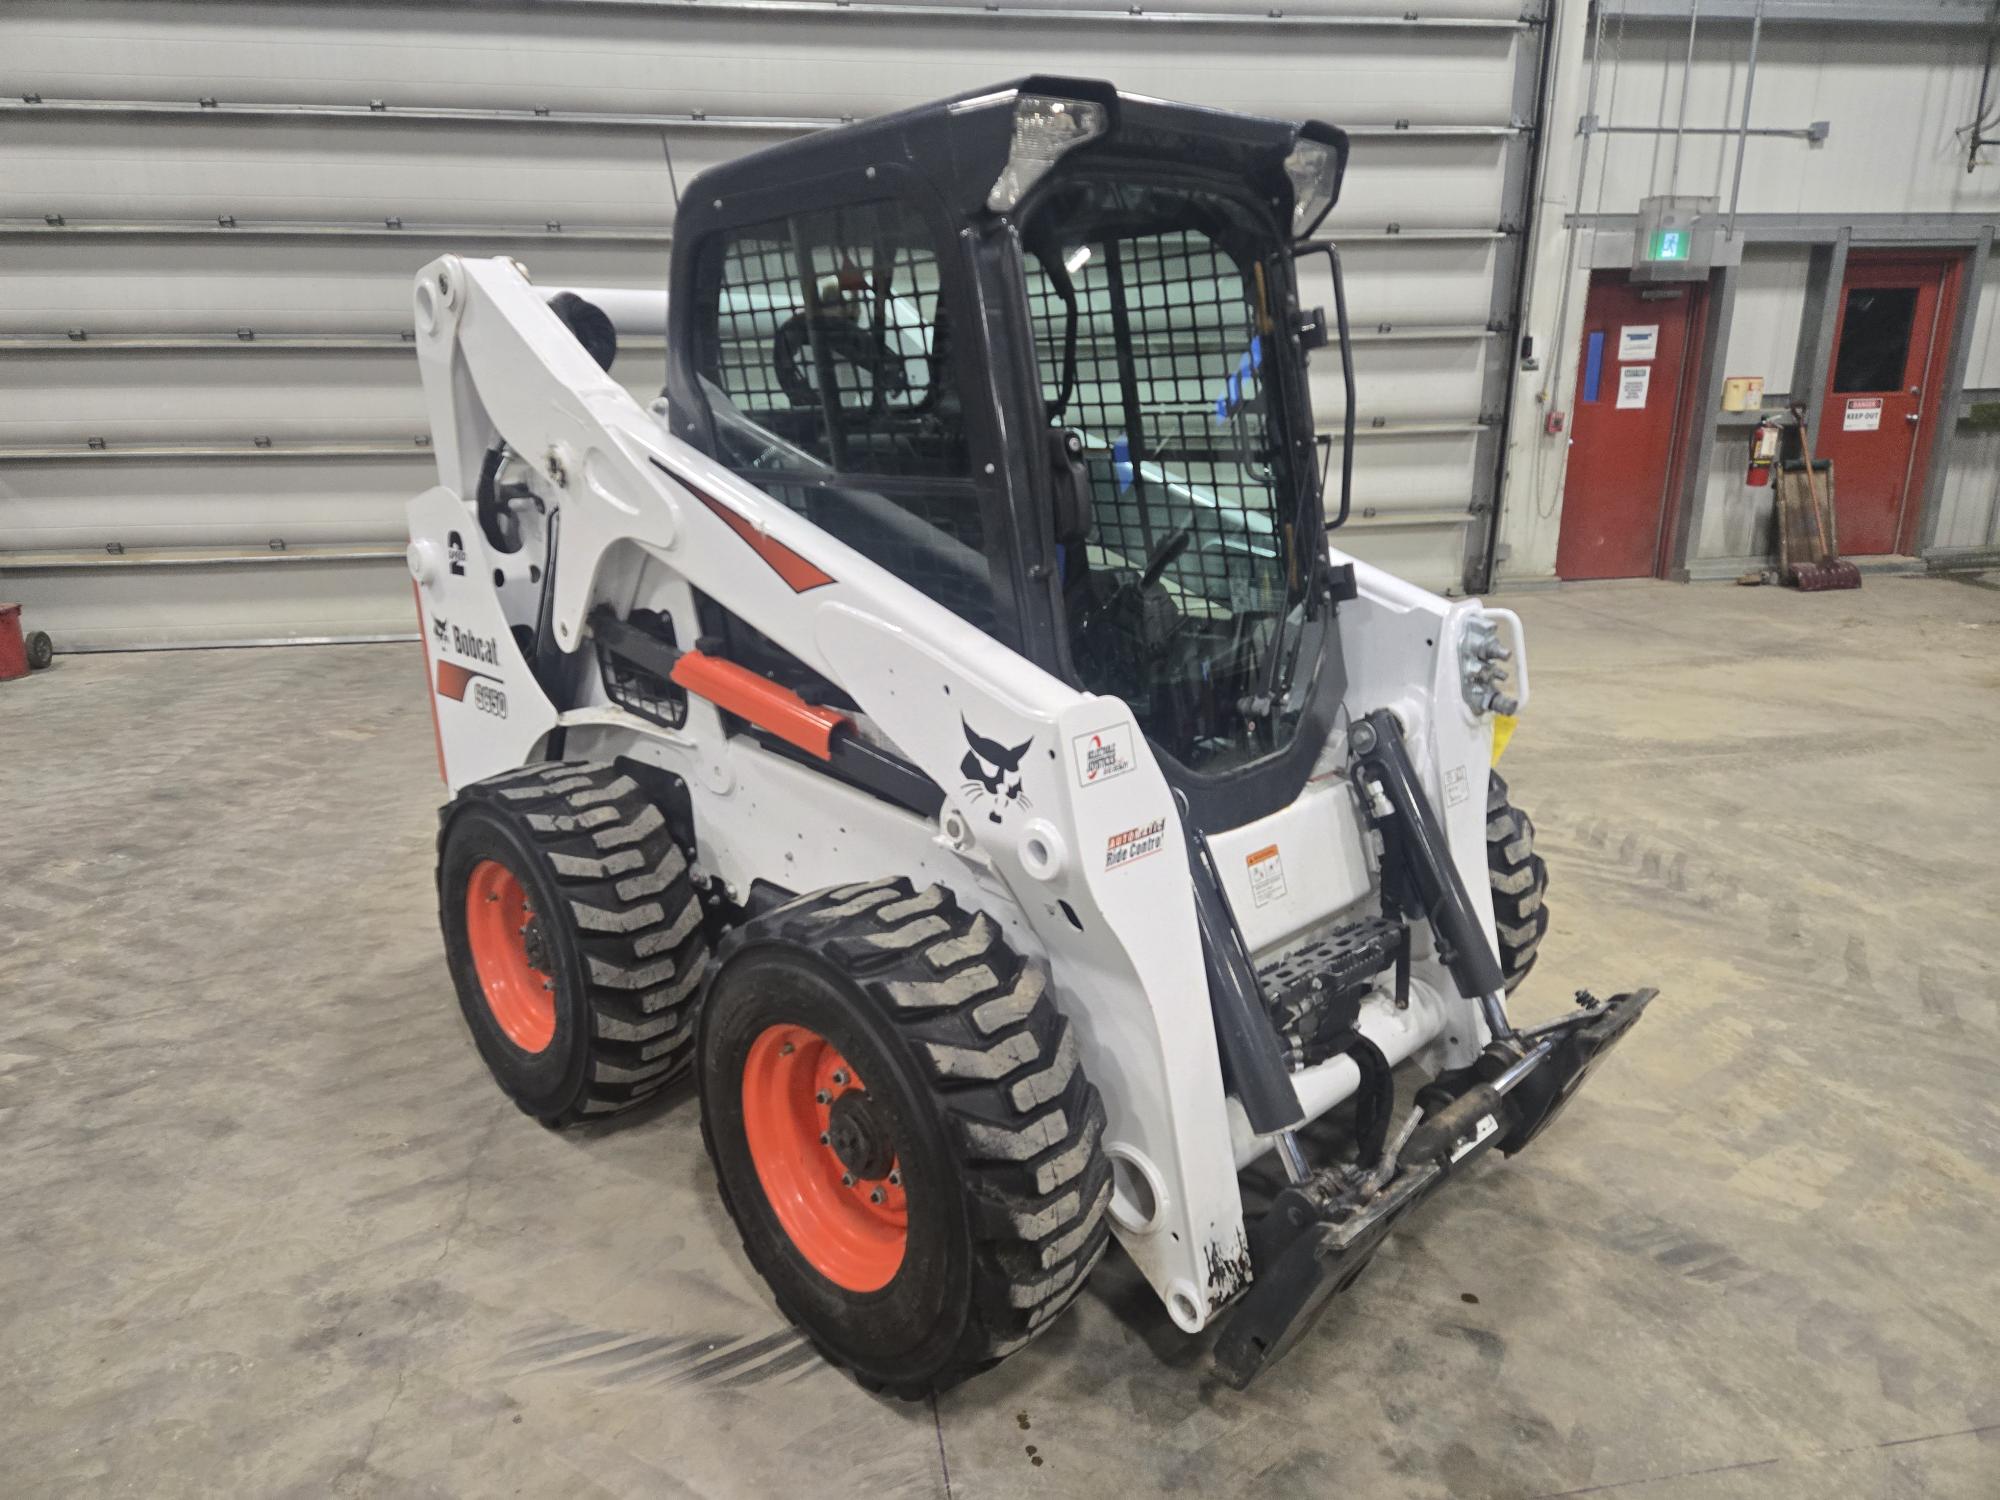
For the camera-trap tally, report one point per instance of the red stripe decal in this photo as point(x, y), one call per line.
point(797, 572)
point(453, 680)
point(787, 564)
point(424, 640)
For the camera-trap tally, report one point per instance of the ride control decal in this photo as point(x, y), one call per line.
point(999, 785)
point(1102, 754)
point(1267, 875)
point(1135, 844)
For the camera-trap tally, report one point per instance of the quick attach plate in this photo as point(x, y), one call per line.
point(1319, 1235)
point(1315, 992)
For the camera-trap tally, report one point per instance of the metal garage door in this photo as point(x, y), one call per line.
point(210, 214)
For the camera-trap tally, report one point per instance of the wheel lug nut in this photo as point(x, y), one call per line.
point(824, 1097)
point(895, 1179)
point(786, 1050)
point(876, 1196)
point(839, 1077)
point(825, 1139)
point(847, 1179)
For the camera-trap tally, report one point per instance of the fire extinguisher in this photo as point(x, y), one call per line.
point(1763, 452)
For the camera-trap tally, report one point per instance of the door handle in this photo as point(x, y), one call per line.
point(1910, 417)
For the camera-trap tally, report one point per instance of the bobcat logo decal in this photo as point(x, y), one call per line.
point(993, 771)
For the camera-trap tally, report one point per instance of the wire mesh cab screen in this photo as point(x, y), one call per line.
point(1154, 323)
point(826, 359)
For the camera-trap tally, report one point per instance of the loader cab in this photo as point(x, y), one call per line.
point(1038, 352)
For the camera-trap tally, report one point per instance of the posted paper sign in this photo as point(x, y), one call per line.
point(1864, 414)
point(1638, 341)
point(1633, 383)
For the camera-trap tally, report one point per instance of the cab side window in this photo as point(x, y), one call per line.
point(826, 356)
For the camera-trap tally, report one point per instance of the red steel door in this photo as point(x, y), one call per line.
point(1887, 358)
point(1630, 382)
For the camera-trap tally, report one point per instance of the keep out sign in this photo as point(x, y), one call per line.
point(1863, 414)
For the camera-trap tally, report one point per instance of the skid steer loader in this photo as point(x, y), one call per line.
point(940, 721)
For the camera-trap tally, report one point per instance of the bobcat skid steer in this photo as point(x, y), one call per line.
point(940, 722)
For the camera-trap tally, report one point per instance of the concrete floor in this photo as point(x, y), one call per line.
point(269, 1230)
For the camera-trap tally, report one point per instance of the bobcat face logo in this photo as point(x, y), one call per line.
point(993, 771)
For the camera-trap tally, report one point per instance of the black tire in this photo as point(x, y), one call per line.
point(41, 650)
point(1520, 883)
point(998, 1135)
point(618, 936)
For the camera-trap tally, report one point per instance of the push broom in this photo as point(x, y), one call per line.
point(1829, 572)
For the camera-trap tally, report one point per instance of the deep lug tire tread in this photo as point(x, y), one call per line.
point(1520, 882)
point(1022, 1122)
point(633, 915)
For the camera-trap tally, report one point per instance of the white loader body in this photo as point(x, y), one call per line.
point(1086, 866)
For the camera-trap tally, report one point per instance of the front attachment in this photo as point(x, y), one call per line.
point(1320, 1234)
point(1543, 1094)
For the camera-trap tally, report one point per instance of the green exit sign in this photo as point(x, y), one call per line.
point(1674, 239)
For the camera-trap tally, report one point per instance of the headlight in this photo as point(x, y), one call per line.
point(1044, 129)
point(1313, 168)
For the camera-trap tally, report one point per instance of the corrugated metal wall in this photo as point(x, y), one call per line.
point(1763, 340)
point(211, 212)
point(1900, 86)
point(1896, 96)
point(1969, 501)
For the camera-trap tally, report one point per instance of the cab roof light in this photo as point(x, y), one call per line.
point(1314, 169)
point(1044, 128)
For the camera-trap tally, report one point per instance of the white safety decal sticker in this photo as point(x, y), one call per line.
point(1638, 341)
point(1102, 754)
point(1135, 844)
point(1863, 414)
point(1633, 383)
point(1456, 787)
point(1267, 875)
point(1487, 1125)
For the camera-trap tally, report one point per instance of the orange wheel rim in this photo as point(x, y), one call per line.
point(507, 953)
point(825, 1158)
